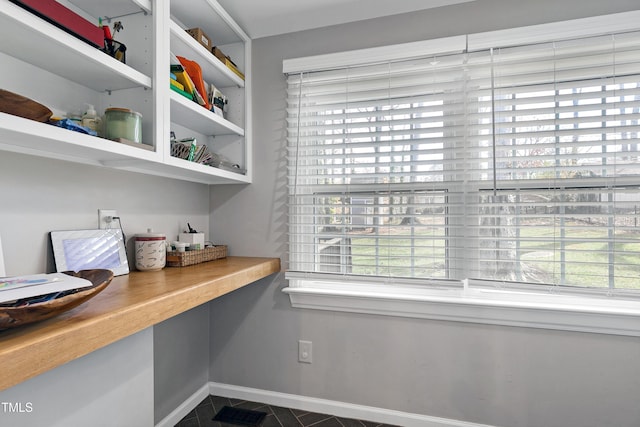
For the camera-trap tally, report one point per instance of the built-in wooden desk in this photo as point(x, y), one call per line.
point(129, 304)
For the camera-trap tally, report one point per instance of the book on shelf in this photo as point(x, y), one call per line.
point(177, 84)
point(182, 92)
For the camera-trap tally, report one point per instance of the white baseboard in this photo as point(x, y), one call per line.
point(311, 404)
point(187, 406)
point(340, 409)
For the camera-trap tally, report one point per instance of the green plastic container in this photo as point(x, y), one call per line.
point(122, 123)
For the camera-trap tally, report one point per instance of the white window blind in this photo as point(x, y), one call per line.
point(516, 164)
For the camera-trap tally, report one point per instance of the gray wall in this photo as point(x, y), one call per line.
point(39, 195)
point(181, 359)
point(110, 387)
point(502, 376)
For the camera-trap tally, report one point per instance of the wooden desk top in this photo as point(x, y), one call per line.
point(128, 305)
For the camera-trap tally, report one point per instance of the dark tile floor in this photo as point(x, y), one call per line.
point(202, 416)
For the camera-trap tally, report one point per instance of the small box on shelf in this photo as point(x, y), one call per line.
point(218, 53)
point(226, 60)
point(200, 37)
point(195, 240)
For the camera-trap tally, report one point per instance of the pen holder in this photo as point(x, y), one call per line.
point(115, 49)
point(195, 240)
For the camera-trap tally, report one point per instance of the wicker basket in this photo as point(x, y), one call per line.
point(182, 259)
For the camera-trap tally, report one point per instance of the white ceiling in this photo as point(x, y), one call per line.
point(260, 18)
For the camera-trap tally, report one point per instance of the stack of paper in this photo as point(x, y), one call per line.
point(19, 287)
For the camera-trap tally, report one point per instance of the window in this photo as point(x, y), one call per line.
point(507, 166)
point(375, 168)
point(565, 166)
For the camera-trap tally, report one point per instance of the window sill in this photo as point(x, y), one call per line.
point(494, 307)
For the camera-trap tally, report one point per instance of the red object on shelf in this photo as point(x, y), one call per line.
point(65, 18)
point(195, 72)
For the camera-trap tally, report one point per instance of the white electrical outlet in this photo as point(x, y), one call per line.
point(305, 351)
point(105, 218)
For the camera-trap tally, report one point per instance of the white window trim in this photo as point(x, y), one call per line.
point(583, 27)
point(496, 307)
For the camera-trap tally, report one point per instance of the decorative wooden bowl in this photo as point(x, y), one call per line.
point(21, 106)
point(11, 317)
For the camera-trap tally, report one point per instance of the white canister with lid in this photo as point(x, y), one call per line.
point(151, 251)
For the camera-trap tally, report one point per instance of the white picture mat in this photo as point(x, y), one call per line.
point(76, 250)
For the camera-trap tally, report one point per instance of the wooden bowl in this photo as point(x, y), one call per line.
point(18, 105)
point(11, 317)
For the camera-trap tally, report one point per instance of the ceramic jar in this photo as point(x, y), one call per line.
point(151, 251)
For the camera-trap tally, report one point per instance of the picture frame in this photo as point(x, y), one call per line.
point(75, 250)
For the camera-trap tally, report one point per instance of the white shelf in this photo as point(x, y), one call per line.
point(202, 173)
point(195, 117)
point(184, 170)
point(33, 40)
point(116, 8)
point(213, 70)
point(234, 128)
point(50, 49)
point(209, 14)
point(30, 137)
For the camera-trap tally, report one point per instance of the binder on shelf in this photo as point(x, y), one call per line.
point(177, 84)
point(182, 92)
point(185, 81)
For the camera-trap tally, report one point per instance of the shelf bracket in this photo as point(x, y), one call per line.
point(110, 18)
